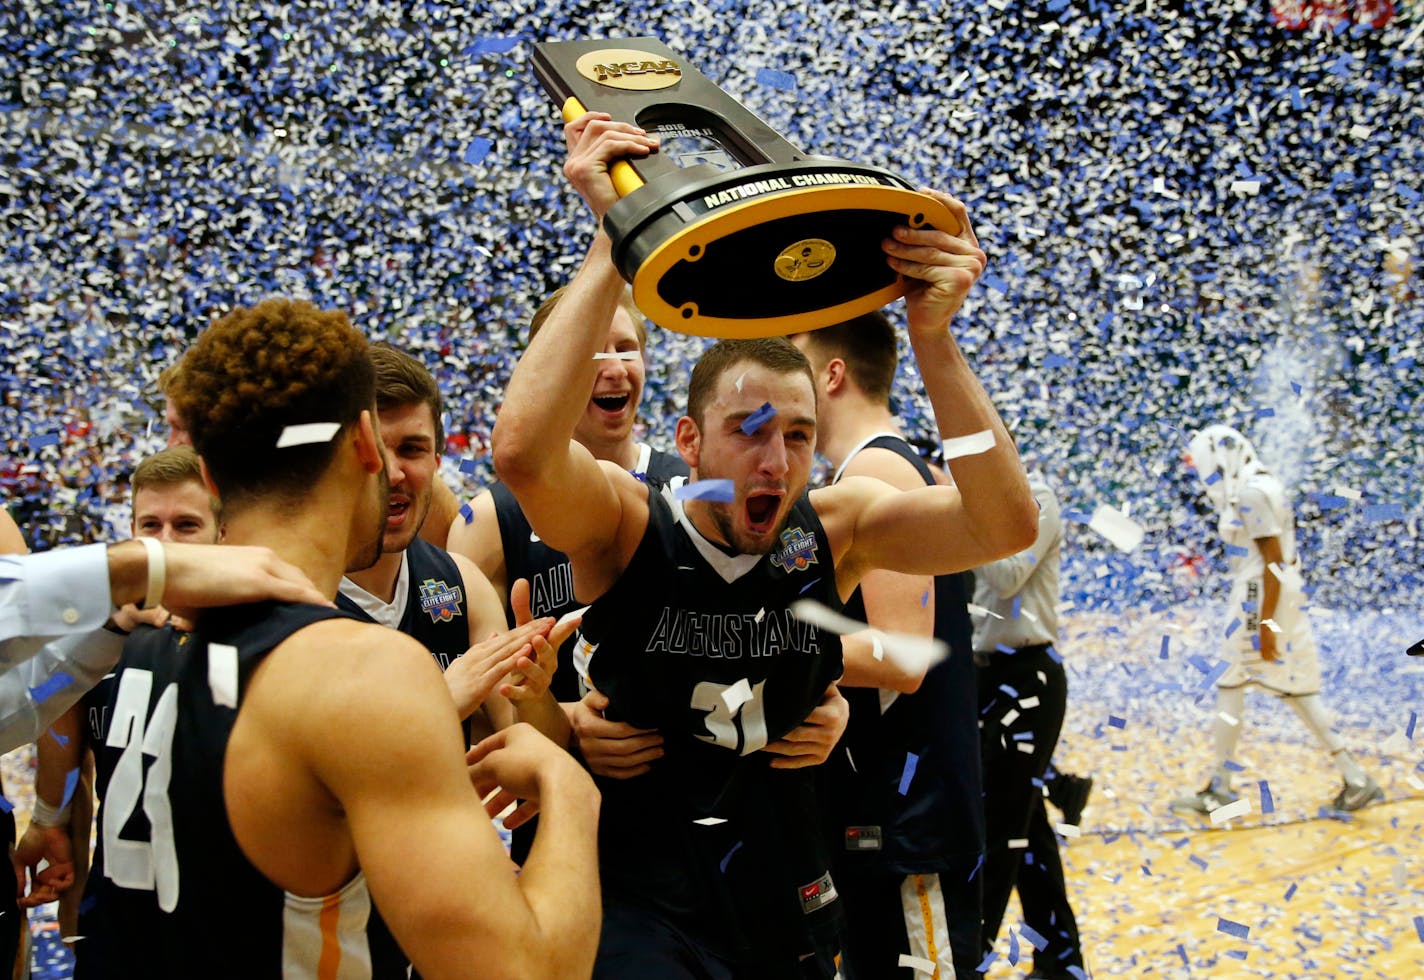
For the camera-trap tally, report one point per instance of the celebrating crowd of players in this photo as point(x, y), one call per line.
point(295, 787)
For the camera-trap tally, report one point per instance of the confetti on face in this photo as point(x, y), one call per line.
point(621, 355)
point(719, 491)
point(757, 419)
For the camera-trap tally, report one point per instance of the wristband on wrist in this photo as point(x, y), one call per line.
point(50, 816)
point(157, 572)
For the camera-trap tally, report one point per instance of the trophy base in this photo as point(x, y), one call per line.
point(766, 250)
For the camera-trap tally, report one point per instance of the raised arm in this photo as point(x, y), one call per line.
point(989, 512)
point(533, 449)
point(534, 453)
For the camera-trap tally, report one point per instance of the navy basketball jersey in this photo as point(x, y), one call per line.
point(551, 577)
point(176, 897)
point(701, 646)
point(918, 824)
point(435, 609)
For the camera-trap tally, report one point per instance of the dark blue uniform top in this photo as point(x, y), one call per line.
point(550, 575)
point(436, 608)
point(702, 646)
point(175, 895)
point(940, 816)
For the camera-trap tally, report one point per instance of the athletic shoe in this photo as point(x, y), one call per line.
point(1215, 795)
point(1352, 798)
point(1070, 794)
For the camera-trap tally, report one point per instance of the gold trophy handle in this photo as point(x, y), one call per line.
point(625, 178)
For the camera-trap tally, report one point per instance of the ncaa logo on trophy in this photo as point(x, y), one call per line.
point(727, 229)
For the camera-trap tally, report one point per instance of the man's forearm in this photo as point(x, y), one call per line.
point(42, 688)
point(560, 878)
point(549, 389)
point(991, 483)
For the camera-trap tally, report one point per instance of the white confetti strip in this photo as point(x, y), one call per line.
point(1232, 810)
point(1123, 532)
point(622, 355)
point(912, 653)
point(918, 963)
point(737, 695)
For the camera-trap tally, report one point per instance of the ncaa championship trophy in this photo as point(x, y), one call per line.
point(727, 230)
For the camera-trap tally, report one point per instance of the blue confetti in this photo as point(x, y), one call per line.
point(71, 780)
point(1027, 931)
point(1409, 728)
point(758, 418)
point(6, 806)
point(1115, 722)
point(1383, 512)
point(735, 848)
point(1268, 803)
point(721, 491)
point(467, 512)
point(1290, 892)
point(40, 441)
point(467, 465)
point(477, 150)
point(491, 45)
point(1419, 927)
point(1163, 654)
point(50, 687)
point(771, 78)
point(911, 761)
point(1232, 928)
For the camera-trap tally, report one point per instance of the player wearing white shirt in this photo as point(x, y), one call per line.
point(1269, 642)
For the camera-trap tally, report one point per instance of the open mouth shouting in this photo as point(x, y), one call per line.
point(761, 509)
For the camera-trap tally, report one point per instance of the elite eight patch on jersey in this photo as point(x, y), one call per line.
point(439, 600)
point(798, 551)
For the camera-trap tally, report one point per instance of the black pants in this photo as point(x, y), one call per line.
point(875, 933)
point(12, 920)
point(1013, 805)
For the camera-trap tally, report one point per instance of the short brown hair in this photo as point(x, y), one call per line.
point(258, 370)
point(867, 346)
point(774, 353)
point(626, 301)
point(170, 468)
point(402, 380)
